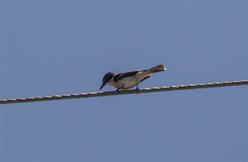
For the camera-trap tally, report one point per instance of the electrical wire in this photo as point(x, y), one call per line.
point(125, 92)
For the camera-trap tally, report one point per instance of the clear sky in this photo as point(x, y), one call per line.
point(65, 46)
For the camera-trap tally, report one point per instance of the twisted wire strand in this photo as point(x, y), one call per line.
point(125, 92)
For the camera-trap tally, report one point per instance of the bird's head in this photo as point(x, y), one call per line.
point(106, 78)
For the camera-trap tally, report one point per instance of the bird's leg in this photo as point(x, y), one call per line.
point(137, 89)
point(117, 90)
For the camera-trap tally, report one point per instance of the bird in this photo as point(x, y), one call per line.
point(127, 80)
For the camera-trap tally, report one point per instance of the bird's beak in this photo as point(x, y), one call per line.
point(103, 84)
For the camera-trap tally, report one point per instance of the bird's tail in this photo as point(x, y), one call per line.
point(157, 69)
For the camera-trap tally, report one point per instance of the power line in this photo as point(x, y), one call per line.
point(124, 92)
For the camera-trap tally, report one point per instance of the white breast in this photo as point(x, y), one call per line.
point(128, 82)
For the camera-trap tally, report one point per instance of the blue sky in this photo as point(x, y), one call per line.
point(59, 46)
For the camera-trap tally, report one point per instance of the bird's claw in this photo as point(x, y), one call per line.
point(117, 91)
point(137, 90)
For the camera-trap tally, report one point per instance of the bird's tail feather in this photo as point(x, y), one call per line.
point(157, 69)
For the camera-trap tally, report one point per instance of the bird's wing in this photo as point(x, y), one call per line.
point(124, 75)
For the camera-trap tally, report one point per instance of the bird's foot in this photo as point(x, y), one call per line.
point(137, 89)
point(117, 91)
